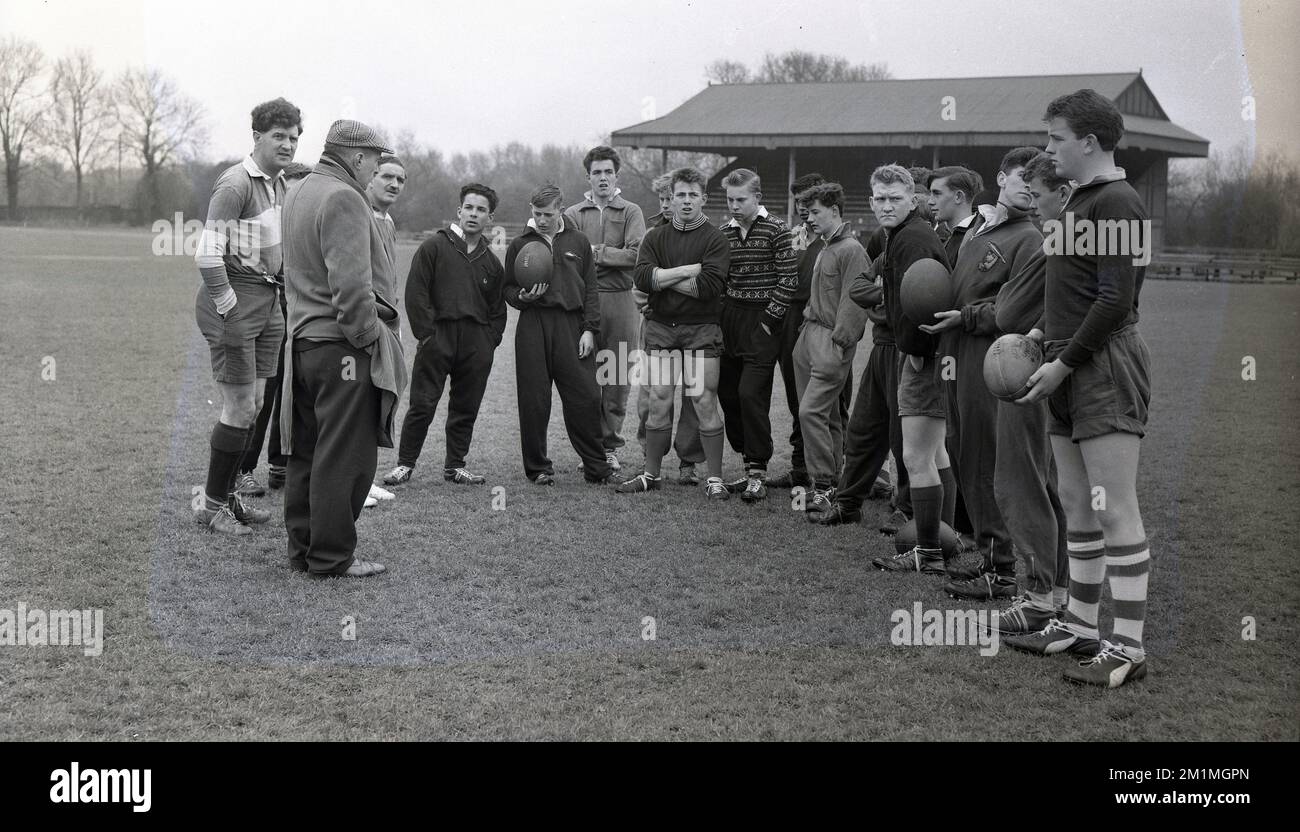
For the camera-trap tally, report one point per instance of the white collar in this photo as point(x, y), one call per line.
point(254, 170)
point(994, 215)
point(762, 212)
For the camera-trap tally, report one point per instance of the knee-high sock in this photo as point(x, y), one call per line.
point(927, 503)
point(1087, 572)
point(949, 483)
point(1127, 568)
point(712, 443)
point(656, 445)
point(228, 444)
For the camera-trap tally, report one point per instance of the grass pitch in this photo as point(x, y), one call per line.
point(527, 621)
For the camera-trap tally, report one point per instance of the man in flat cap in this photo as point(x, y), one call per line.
point(343, 362)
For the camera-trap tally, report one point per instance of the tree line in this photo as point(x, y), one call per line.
point(72, 135)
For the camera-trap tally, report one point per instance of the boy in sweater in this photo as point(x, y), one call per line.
point(682, 268)
point(686, 439)
point(456, 304)
point(1097, 383)
point(761, 281)
point(555, 342)
point(1001, 243)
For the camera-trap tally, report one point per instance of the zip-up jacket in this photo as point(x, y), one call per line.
point(615, 233)
point(572, 284)
point(448, 282)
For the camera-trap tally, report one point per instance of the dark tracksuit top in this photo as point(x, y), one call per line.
point(546, 351)
point(455, 301)
point(989, 257)
point(911, 240)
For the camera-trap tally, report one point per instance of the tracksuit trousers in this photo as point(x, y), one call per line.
point(972, 415)
point(874, 430)
point(1024, 484)
point(620, 326)
point(745, 374)
point(462, 350)
point(546, 353)
point(790, 327)
point(820, 370)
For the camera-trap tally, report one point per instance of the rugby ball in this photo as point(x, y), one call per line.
point(533, 265)
point(1009, 363)
point(926, 290)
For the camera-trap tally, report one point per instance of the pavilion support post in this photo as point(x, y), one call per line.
point(934, 159)
point(789, 202)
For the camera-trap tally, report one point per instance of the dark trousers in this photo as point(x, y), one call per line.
point(745, 372)
point(1024, 484)
point(268, 415)
point(874, 430)
point(462, 349)
point(972, 449)
point(790, 327)
point(335, 448)
point(546, 353)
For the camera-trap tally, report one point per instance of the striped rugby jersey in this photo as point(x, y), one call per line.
point(241, 238)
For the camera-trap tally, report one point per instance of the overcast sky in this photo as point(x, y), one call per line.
point(463, 78)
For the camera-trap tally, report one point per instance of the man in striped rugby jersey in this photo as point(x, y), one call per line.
point(238, 309)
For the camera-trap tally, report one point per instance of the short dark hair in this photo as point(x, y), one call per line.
point(829, 194)
point(1043, 168)
point(601, 153)
point(277, 113)
point(691, 176)
point(1088, 112)
point(390, 159)
point(546, 194)
point(1017, 157)
point(808, 180)
point(920, 175)
point(483, 191)
point(958, 178)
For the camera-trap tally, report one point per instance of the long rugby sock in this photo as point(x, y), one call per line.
point(234, 475)
point(656, 445)
point(927, 503)
point(1087, 572)
point(228, 444)
point(1127, 568)
point(949, 483)
point(712, 443)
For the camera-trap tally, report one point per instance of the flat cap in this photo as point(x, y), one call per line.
point(348, 133)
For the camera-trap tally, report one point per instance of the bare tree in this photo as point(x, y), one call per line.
point(726, 72)
point(160, 123)
point(21, 63)
point(79, 119)
point(799, 67)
